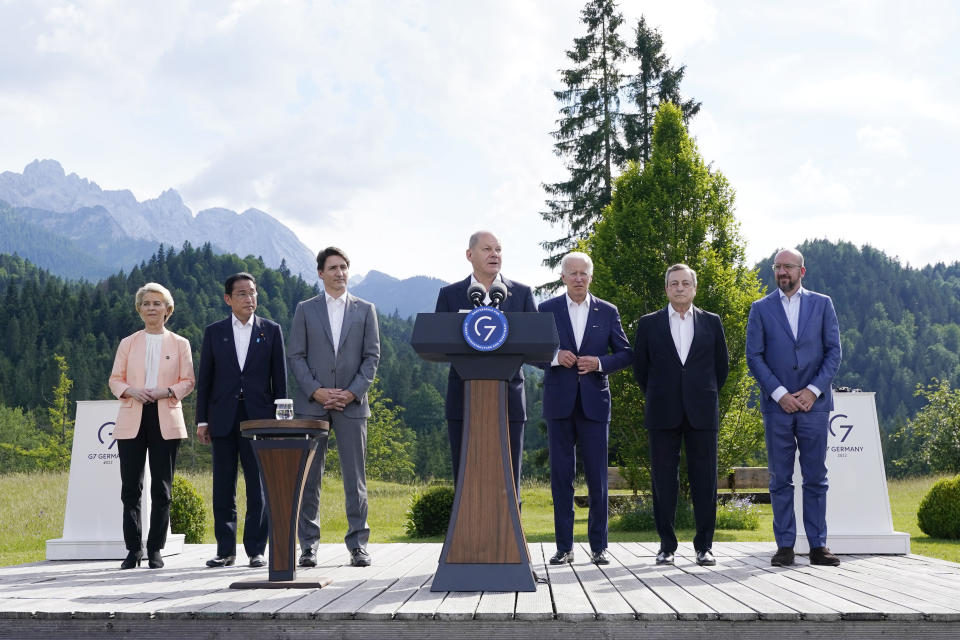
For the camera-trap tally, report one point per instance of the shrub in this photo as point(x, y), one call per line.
point(187, 515)
point(429, 512)
point(939, 512)
point(738, 513)
point(637, 515)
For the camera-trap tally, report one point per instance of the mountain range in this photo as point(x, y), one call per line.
point(72, 227)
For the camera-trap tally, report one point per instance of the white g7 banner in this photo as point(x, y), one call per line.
point(92, 524)
point(858, 506)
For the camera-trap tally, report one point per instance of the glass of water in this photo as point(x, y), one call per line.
point(284, 409)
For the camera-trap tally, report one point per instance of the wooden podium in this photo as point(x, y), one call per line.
point(284, 450)
point(485, 548)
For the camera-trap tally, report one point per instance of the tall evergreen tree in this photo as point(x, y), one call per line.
point(590, 132)
point(654, 83)
point(606, 119)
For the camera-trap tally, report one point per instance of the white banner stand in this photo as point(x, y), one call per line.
point(92, 524)
point(858, 505)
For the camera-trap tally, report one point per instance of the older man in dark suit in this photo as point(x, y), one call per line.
point(334, 353)
point(576, 402)
point(242, 372)
point(484, 253)
point(681, 362)
point(793, 350)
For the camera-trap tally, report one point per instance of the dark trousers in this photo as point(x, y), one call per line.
point(162, 454)
point(226, 450)
point(455, 431)
point(563, 436)
point(701, 447)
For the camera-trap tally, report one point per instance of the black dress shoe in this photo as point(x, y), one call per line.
point(665, 557)
point(154, 560)
point(257, 561)
point(822, 555)
point(132, 560)
point(308, 558)
point(221, 561)
point(705, 558)
point(599, 557)
point(562, 557)
point(359, 557)
point(783, 557)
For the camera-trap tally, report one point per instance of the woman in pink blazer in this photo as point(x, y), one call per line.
point(152, 373)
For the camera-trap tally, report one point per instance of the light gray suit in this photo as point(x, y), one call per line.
point(352, 367)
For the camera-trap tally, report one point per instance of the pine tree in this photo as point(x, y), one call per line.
point(590, 133)
point(655, 82)
point(606, 119)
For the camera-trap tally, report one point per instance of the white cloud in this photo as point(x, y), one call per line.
point(883, 139)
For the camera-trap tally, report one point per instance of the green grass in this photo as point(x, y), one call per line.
point(32, 509)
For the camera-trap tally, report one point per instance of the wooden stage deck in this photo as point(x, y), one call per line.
point(742, 597)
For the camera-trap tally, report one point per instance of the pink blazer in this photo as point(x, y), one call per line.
point(176, 372)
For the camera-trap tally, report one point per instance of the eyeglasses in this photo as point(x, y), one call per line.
point(787, 266)
point(244, 295)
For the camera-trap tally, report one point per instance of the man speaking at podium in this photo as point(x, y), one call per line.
point(576, 401)
point(484, 253)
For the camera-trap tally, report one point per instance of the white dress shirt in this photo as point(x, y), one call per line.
point(791, 306)
point(681, 328)
point(579, 312)
point(335, 310)
point(241, 338)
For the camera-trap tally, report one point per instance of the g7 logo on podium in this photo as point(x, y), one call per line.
point(485, 328)
point(848, 427)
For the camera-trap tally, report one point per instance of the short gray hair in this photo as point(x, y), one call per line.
point(679, 267)
point(576, 255)
point(153, 287)
point(475, 237)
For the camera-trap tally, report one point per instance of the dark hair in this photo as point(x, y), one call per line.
point(330, 251)
point(243, 275)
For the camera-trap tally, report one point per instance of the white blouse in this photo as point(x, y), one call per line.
point(152, 361)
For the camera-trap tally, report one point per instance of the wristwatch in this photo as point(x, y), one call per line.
point(169, 392)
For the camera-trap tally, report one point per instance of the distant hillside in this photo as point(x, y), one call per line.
point(406, 297)
point(900, 326)
point(103, 231)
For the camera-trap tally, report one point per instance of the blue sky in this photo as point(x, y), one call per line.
point(394, 129)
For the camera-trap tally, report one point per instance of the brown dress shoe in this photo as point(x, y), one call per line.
point(822, 555)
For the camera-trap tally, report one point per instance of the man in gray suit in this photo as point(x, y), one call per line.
point(334, 351)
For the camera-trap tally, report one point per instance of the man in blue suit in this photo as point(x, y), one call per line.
point(242, 371)
point(681, 362)
point(484, 253)
point(793, 350)
point(576, 402)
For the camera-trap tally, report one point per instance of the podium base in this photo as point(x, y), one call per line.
point(483, 577)
point(298, 583)
point(74, 549)
point(894, 543)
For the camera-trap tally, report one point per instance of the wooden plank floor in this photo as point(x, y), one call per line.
point(741, 597)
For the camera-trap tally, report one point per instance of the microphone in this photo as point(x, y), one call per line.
point(476, 293)
point(498, 293)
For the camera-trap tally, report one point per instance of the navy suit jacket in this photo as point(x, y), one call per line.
point(453, 297)
point(263, 378)
point(777, 359)
point(604, 338)
point(674, 388)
